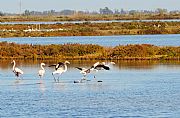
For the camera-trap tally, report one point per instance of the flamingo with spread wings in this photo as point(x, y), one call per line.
point(59, 69)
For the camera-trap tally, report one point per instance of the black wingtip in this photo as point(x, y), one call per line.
point(106, 67)
point(51, 65)
point(78, 68)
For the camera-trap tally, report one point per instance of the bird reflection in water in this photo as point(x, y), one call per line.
point(59, 86)
point(42, 86)
point(18, 81)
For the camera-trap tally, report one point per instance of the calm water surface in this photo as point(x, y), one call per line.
point(129, 89)
point(159, 40)
point(101, 21)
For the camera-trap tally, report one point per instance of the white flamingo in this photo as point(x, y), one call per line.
point(101, 66)
point(85, 71)
point(42, 70)
point(59, 69)
point(16, 70)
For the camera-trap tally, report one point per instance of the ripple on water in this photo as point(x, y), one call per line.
point(123, 93)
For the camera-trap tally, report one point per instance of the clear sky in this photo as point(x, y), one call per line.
point(91, 5)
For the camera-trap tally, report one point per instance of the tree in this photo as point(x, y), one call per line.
point(106, 10)
point(1, 13)
point(116, 11)
point(133, 12)
point(27, 13)
point(161, 11)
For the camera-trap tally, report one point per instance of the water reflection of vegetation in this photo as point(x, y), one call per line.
point(120, 64)
point(88, 52)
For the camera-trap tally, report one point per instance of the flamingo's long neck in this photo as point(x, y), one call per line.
point(42, 67)
point(65, 69)
point(14, 65)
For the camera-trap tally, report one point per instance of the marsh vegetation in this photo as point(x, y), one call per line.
point(88, 52)
point(89, 29)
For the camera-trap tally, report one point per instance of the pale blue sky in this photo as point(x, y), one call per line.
point(91, 5)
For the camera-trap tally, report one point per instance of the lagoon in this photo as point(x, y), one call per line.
point(129, 89)
point(99, 21)
point(159, 40)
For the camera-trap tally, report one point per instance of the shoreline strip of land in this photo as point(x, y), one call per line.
point(88, 52)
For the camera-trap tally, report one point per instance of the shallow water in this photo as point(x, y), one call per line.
point(101, 21)
point(159, 40)
point(129, 89)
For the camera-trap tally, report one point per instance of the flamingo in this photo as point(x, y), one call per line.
point(16, 70)
point(85, 71)
point(59, 69)
point(41, 72)
point(101, 66)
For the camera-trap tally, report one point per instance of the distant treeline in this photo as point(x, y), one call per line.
point(102, 14)
point(87, 52)
point(101, 11)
